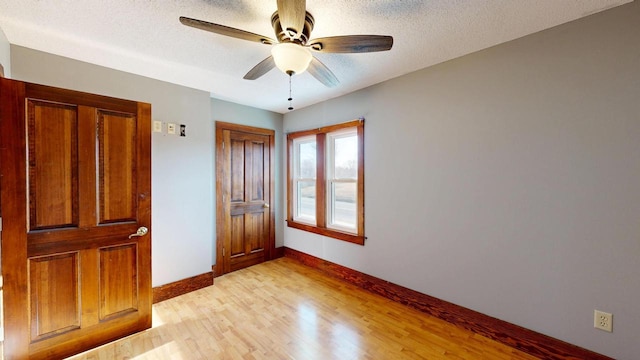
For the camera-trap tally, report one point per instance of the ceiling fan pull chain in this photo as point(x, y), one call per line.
point(290, 98)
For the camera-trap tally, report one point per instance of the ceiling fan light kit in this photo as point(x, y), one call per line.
point(291, 53)
point(291, 58)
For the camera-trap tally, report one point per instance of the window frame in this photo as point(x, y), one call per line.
point(322, 191)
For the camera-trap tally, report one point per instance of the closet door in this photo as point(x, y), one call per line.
point(76, 207)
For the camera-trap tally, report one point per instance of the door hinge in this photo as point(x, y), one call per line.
point(223, 252)
point(223, 145)
point(0, 224)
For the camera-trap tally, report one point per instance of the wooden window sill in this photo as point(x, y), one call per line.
point(356, 239)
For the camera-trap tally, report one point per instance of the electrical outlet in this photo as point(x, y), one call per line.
point(171, 128)
point(603, 320)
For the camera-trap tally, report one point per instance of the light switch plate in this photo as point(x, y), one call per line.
point(171, 128)
point(157, 126)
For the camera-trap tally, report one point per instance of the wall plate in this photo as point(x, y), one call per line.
point(603, 320)
point(157, 126)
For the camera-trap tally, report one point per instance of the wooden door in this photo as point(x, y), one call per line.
point(244, 186)
point(75, 172)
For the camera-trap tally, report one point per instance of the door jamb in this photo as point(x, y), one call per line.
point(220, 267)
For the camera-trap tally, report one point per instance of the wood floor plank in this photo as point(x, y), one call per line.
point(284, 310)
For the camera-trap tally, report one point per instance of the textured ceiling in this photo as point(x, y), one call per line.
point(145, 37)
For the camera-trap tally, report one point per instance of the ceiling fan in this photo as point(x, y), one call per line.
point(291, 53)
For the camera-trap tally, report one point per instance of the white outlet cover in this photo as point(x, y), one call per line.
point(171, 128)
point(603, 320)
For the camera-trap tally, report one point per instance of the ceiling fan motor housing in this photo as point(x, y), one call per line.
point(284, 35)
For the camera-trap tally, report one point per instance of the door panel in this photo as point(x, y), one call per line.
point(53, 157)
point(237, 236)
point(237, 170)
point(118, 280)
point(117, 157)
point(55, 305)
point(257, 172)
point(257, 241)
point(81, 190)
point(245, 218)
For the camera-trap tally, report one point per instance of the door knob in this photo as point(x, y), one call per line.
point(266, 206)
point(141, 232)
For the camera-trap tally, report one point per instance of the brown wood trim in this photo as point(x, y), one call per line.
point(220, 203)
point(525, 340)
point(289, 184)
point(297, 134)
point(36, 91)
point(14, 233)
point(361, 182)
point(271, 250)
point(356, 239)
point(181, 287)
point(244, 128)
point(279, 252)
point(325, 129)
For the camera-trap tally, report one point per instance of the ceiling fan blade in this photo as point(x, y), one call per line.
point(352, 44)
point(322, 73)
point(292, 14)
point(262, 68)
point(225, 30)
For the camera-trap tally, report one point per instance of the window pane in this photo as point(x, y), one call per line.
point(307, 158)
point(346, 157)
point(343, 204)
point(306, 205)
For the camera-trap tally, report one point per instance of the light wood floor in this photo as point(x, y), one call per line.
point(284, 310)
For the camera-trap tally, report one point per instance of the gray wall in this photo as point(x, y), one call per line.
point(183, 186)
point(5, 54)
point(508, 181)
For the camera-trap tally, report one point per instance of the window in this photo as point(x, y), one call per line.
point(326, 181)
point(304, 177)
point(342, 180)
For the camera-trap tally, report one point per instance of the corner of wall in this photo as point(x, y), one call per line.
point(5, 55)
